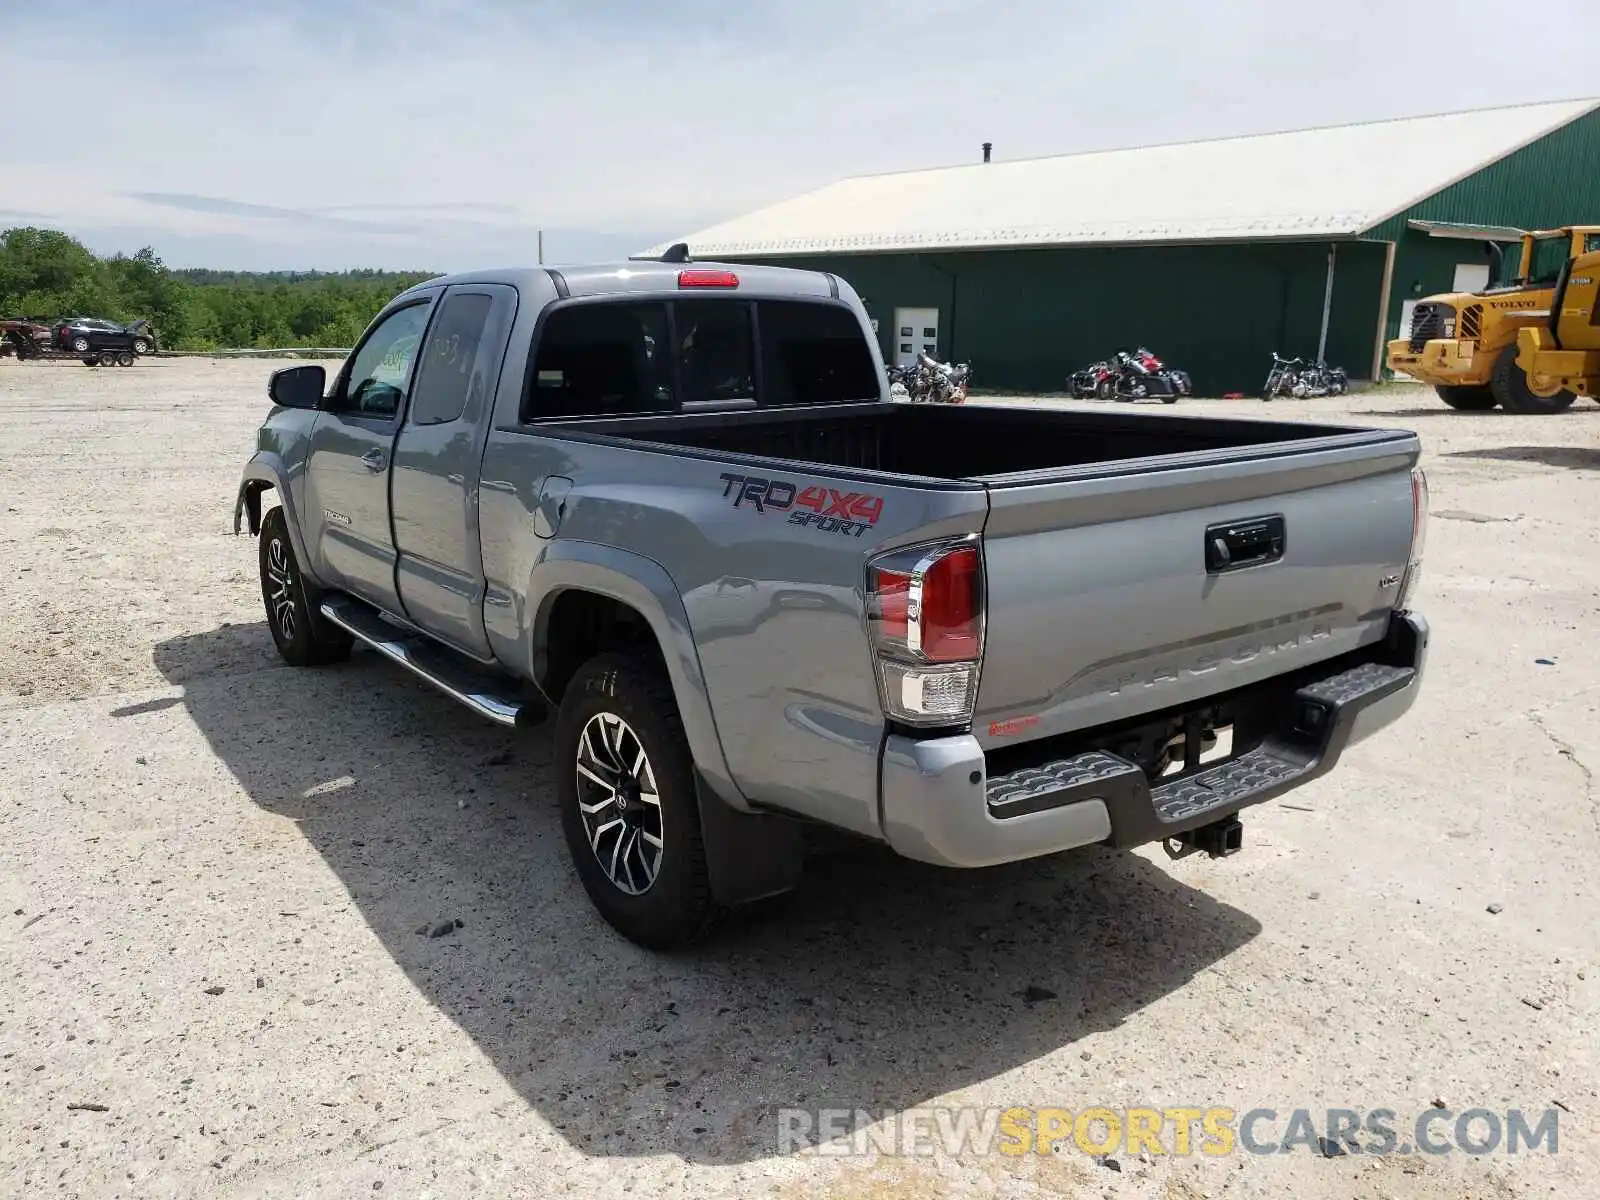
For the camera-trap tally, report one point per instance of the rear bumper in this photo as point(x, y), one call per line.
point(940, 805)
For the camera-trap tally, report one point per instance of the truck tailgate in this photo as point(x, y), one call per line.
point(1109, 595)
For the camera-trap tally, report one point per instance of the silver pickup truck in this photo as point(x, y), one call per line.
point(673, 503)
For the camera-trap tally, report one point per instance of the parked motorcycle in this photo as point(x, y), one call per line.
point(1087, 382)
point(1295, 377)
point(929, 381)
point(1132, 375)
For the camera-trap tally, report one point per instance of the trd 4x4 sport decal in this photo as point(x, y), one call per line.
point(827, 509)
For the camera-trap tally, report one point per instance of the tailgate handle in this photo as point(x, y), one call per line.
point(1236, 544)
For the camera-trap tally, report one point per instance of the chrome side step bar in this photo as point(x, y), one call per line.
point(425, 660)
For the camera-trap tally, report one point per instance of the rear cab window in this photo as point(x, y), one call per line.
point(602, 360)
point(814, 354)
point(610, 358)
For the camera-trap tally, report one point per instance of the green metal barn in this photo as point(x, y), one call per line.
point(1214, 254)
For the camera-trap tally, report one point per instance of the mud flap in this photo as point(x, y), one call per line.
point(749, 856)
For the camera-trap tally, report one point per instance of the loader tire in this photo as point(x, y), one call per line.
point(1510, 387)
point(1465, 398)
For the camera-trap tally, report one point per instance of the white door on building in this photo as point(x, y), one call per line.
point(1471, 277)
point(915, 330)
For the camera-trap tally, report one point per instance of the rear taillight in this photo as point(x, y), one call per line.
point(925, 608)
point(1419, 537)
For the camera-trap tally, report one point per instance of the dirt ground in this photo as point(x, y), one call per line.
point(214, 870)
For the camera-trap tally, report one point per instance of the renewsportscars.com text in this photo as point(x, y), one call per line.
point(1213, 1131)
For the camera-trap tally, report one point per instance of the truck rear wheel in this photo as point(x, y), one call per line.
point(303, 637)
point(1510, 387)
point(1465, 398)
point(625, 784)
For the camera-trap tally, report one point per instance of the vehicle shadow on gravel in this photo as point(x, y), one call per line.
point(880, 984)
point(1444, 410)
point(1576, 458)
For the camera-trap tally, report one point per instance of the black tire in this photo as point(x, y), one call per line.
point(1169, 399)
point(1465, 398)
point(107, 358)
point(1105, 389)
point(303, 637)
point(140, 346)
point(1510, 387)
point(125, 359)
point(675, 908)
point(80, 345)
point(91, 362)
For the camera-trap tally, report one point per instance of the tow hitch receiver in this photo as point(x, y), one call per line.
point(1218, 839)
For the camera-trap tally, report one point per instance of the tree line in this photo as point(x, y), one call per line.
point(45, 275)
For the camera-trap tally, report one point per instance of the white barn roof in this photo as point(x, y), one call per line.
point(1310, 183)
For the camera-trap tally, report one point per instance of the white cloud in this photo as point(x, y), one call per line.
point(441, 134)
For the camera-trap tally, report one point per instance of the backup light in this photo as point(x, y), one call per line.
point(925, 608)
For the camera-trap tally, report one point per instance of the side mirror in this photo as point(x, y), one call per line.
point(298, 387)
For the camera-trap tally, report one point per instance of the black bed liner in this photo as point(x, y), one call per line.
point(968, 442)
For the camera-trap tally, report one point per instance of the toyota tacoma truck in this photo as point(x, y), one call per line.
point(671, 505)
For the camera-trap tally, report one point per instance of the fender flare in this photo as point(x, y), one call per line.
point(266, 470)
point(645, 586)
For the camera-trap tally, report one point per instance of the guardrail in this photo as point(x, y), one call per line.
point(279, 352)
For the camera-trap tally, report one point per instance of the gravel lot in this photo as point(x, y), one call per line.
point(213, 870)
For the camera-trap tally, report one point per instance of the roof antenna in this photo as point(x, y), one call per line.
point(678, 252)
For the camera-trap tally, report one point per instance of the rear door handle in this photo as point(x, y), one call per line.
point(374, 460)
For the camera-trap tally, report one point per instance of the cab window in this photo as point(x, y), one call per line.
point(1549, 256)
point(813, 354)
point(602, 360)
point(444, 378)
point(382, 367)
point(716, 351)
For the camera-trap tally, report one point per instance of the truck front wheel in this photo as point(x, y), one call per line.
point(1466, 399)
point(625, 784)
point(303, 637)
point(1510, 386)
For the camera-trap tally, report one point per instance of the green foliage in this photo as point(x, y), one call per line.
point(47, 275)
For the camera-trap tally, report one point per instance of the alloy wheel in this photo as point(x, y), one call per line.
point(620, 803)
point(280, 575)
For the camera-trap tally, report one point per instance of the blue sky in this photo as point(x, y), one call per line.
point(441, 134)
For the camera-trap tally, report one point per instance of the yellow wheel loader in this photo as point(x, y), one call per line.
point(1466, 343)
point(1560, 358)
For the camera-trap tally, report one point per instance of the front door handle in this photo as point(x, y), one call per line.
point(375, 460)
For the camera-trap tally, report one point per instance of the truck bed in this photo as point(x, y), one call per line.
point(1099, 531)
point(975, 442)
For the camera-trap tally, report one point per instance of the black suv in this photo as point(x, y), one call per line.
point(90, 335)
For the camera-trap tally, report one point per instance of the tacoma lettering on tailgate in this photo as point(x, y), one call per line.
point(827, 509)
